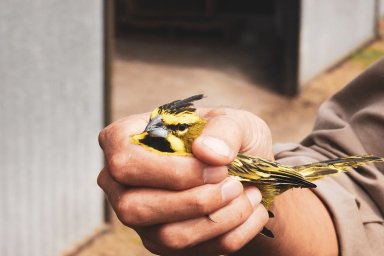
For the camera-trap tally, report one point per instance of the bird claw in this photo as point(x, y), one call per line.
point(266, 232)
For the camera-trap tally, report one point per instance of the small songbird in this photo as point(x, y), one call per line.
point(174, 126)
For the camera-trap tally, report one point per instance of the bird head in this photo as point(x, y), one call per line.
point(172, 128)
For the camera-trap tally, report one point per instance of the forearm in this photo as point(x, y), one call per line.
point(302, 226)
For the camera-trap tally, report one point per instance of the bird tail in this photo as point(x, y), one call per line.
point(319, 170)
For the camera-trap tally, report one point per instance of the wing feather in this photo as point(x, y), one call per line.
point(261, 171)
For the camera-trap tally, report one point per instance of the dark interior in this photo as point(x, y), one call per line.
point(244, 30)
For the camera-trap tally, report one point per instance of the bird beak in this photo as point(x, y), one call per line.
point(155, 128)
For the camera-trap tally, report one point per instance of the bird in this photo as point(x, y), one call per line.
point(174, 126)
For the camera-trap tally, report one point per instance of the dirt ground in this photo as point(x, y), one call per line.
point(145, 76)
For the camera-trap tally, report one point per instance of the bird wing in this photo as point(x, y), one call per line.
point(261, 171)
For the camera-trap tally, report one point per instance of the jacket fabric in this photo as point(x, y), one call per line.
point(350, 123)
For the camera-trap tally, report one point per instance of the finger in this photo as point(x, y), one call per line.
point(227, 243)
point(112, 189)
point(185, 234)
point(235, 239)
point(111, 136)
point(230, 131)
point(142, 168)
point(135, 166)
point(142, 207)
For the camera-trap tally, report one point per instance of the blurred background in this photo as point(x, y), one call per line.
point(68, 68)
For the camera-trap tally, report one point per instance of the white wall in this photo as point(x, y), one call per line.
point(330, 31)
point(51, 109)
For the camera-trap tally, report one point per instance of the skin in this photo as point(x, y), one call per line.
point(166, 199)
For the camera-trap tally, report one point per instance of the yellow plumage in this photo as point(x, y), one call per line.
point(174, 126)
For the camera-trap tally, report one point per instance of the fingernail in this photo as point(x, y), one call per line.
point(217, 146)
point(214, 174)
point(231, 189)
point(254, 196)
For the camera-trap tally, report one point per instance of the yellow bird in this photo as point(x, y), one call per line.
point(174, 126)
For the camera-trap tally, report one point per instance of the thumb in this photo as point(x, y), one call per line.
point(230, 131)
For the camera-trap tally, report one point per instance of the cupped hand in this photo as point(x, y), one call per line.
point(187, 205)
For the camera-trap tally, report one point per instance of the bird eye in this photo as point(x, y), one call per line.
point(182, 127)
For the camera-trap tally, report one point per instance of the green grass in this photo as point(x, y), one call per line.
point(367, 56)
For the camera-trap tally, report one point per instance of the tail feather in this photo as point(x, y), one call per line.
point(321, 169)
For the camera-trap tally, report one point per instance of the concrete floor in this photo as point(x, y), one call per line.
point(149, 71)
point(146, 74)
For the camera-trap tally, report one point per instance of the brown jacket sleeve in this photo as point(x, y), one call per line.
point(350, 123)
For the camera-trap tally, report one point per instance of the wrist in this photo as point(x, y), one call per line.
point(301, 225)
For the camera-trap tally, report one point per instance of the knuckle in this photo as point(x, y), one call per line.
point(128, 212)
point(193, 170)
point(122, 209)
point(101, 179)
point(231, 111)
point(200, 202)
point(179, 180)
point(241, 209)
point(258, 135)
point(251, 118)
point(217, 112)
point(231, 117)
point(101, 138)
point(224, 112)
point(105, 134)
point(173, 238)
point(231, 244)
point(110, 135)
point(133, 211)
point(152, 247)
point(246, 113)
point(116, 163)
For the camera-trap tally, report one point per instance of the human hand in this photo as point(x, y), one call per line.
point(166, 199)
